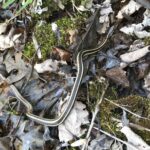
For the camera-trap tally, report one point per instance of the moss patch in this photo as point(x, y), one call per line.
point(147, 41)
point(47, 39)
point(136, 104)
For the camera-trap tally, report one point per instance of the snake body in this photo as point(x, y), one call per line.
point(57, 121)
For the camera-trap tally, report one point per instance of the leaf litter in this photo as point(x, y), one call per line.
point(45, 83)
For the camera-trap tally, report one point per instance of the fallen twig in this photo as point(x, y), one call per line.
point(94, 116)
point(117, 139)
point(125, 109)
point(132, 125)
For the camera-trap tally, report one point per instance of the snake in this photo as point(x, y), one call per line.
point(70, 103)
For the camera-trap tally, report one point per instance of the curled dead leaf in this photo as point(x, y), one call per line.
point(63, 54)
point(9, 40)
point(139, 29)
point(48, 65)
point(135, 55)
point(105, 12)
point(72, 125)
point(73, 36)
point(128, 9)
point(118, 75)
point(4, 87)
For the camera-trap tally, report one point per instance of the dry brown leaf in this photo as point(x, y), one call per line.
point(17, 67)
point(9, 40)
point(118, 75)
point(4, 87)
point(73, 36)
point(64, 55)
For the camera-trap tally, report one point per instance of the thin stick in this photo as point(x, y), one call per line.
point(94, 116)
point(117, 139)
point(125, 109)
point(132, 125)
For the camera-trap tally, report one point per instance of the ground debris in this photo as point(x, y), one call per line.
point(42, 46)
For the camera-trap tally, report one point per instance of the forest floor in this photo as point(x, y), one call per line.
point(88, 59)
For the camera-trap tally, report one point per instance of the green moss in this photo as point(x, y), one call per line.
point(134, 103)
point(44, 34)
point(95, 89)
point(29, 49)
point(47, 39)
point(147, 41)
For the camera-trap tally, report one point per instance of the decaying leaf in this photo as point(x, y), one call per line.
point(31, 137)
point(118, 75)
point(103, 142)
point(135, 55)
point(45, 93)
point(112, 60)
point(64, 55)
point(54, 66)
point(27, 135)
point(48, 65)
point(128, 9)
point(7, 41)
point(138, 29)
point(72, 125)
point(105, 11)
point(15, 63)
point(134, 139)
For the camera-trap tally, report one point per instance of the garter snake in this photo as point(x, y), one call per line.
point(80, 66)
